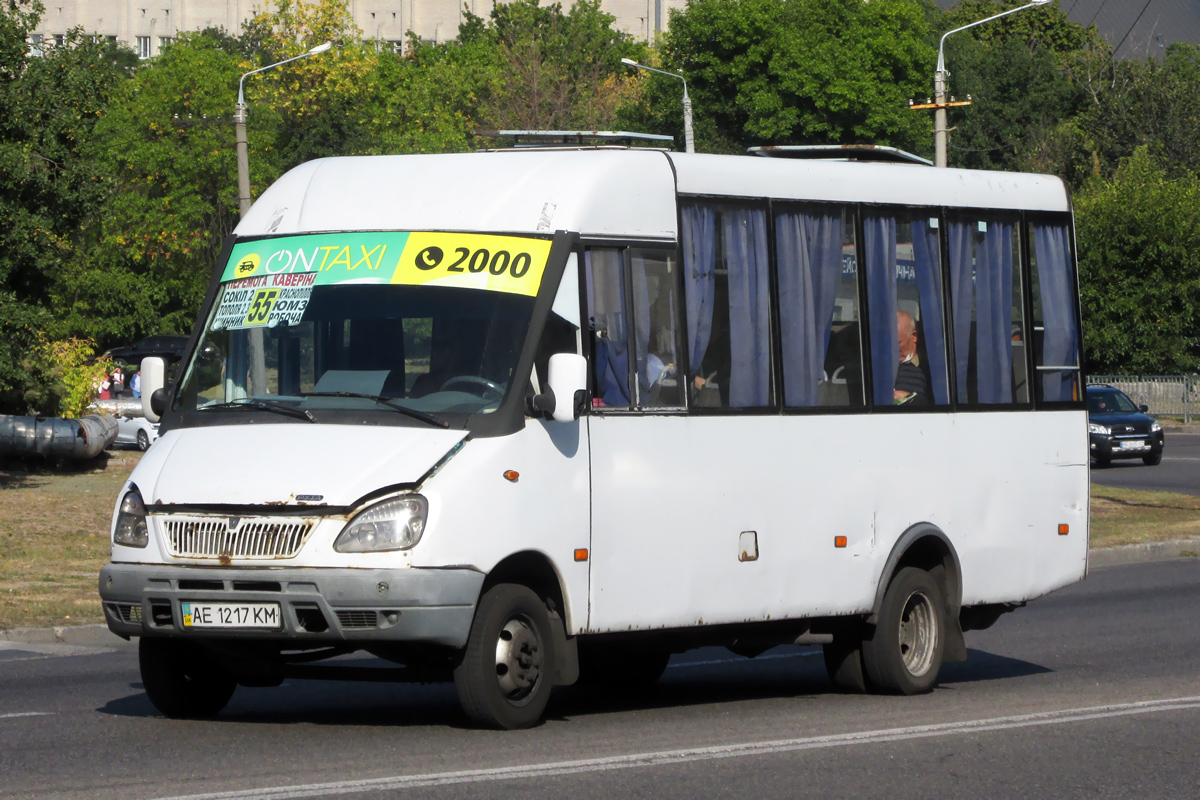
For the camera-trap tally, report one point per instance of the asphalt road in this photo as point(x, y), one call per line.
point(1178, 472)
point(1091, 692)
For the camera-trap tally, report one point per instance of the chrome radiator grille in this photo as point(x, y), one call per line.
point(234, 537)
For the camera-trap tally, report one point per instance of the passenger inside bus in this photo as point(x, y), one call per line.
point(911, 387)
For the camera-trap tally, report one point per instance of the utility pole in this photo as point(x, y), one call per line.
point(941, 134)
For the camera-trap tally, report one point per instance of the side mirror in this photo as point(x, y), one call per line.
point(566, 387)
point(154, 371)
point(1143, 408)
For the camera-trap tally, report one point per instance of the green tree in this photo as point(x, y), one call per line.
point(168, 143)
point(1139, 267)
point(49, 188)
point(550, 70)
point(1150, 103)
point(802, 71)
point(1016, 71)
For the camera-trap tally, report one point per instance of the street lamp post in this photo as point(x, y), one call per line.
point(239, 120)
point(940, 132)
point(689, 141)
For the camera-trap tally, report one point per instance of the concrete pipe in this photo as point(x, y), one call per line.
point(54, 437)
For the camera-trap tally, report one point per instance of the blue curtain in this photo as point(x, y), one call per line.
point(962, 296)
point(641, 324)
point(749, 302)
point(1060, 341)
point(809, 254)
point(699, 265)
point(879, 246)
point(606, 304)
point(993, 313)
point(927, 262)
point(982, 288)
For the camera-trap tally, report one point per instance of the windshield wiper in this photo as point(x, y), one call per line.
point(429, 419)
point(265, 405)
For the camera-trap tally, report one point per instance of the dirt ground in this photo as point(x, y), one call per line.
point(54, 528)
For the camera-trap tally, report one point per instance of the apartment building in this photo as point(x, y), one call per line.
point(147, 25)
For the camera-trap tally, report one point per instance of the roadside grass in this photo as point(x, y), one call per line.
point(54, 526)
point(1129, 516)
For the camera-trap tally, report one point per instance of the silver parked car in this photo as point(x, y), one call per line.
point(136, 431)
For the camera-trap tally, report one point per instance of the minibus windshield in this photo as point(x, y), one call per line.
point(418, 326)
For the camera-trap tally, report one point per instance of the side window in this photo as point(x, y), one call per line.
point(985, 304)
point(604, 270)
point(656, 328)
point(904, 301)
point(1055, 331)
point(727, 289)
point(818, 306)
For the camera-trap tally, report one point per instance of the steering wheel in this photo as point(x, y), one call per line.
point(482, 385)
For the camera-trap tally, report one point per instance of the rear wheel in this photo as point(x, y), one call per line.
point(504, 679)
point(143, 441)
point(180, 681)
point(1103, 461)
point(1152, 460)
point(904, 654)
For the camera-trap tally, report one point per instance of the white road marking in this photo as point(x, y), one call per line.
point(1179, 458)
point(28, 714)
point(703, 753)
point(738, 660)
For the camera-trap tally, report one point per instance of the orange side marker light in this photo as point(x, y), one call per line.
point(511, 475)
point(581, 554)
point(1063, 529)
point(839, 541)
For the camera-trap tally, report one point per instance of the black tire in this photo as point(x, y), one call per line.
point(1152, 460)
point(180, 681)
point(504, 678)
point(844, 663)
point(143, 441)
point(1102, 462)
point(621, 665)
point(904, 652)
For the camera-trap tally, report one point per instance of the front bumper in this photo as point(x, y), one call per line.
point(1107, 448)
point(433, 606)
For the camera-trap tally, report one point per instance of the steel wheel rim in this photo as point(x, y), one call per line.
point(520, 660)
point(918, 634)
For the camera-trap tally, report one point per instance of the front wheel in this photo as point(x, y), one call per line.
point(143, 441)
point(180, 681)
point(504, 680)
point(1152, 460)
point(904, 654)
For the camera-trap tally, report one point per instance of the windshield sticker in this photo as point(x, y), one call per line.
point(510, 264)
point(264, 300)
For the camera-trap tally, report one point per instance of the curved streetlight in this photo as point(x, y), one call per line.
point(940, 133)
point(239, 120)
point(689, 142)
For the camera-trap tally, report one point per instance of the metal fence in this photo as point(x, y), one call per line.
point(1166, 395)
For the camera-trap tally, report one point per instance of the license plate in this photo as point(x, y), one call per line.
point(230, 615)
point(1132, 445)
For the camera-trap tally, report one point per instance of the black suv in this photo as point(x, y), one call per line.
point(1119, 429)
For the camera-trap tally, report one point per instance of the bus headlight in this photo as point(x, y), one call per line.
point(395, 524)
point(1100, 429)
point(131, 521)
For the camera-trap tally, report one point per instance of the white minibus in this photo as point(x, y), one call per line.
point(521, 418)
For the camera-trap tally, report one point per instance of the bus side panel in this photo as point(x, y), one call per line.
point(1030, 475)
point(478, 517)
point(673, 495)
